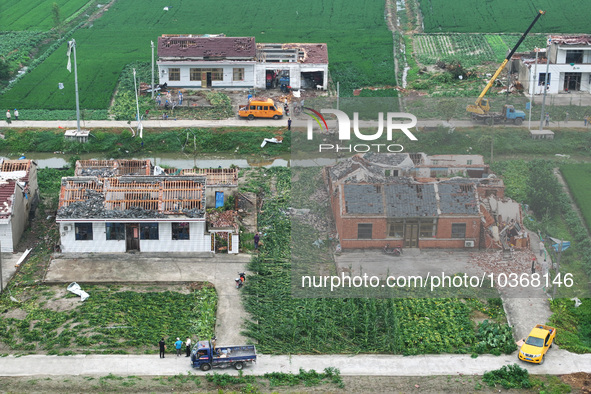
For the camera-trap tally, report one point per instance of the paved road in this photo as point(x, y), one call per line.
point(558, 362)
point(231, 122)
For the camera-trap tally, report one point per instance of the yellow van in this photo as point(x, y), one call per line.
point(260, 108)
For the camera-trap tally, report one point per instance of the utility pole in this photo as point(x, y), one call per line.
point(1, 279)
point(152, 70)
point(76, 85)
point(545, 87)
point(139, 122)
point(338, 94)
point(533, 87)
point(557, 270)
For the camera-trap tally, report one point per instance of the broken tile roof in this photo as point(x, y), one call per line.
point(407, 198)
point(17, 166)
point(458, 198)
point(312, 53)
point(112, 168)
point(7, 189)
point(204, 47)
point(578, 39)
point(410, 200)
point(132, 197)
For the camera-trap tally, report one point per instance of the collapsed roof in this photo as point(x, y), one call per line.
point(132, 197)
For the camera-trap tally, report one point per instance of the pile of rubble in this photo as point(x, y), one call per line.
point(224, 219)
point(496, 262)
point(94, 207)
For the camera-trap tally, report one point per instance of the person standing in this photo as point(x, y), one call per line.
point(178, 345)
point(289, 124)
point(15, 114)
point(8, 116)
point(542, 248)
point(547, 119)
point(162, 345)
point(566, 117)
point(256, 241)
point(188, 347)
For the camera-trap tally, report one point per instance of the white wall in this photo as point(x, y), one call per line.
point(228, 78)
point(6, 236)
point(198, 241)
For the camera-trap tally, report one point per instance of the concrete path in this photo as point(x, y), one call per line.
point(558, 362)
point(220, 270)
point(231, 122)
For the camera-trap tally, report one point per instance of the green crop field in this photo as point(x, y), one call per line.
point(505, 16)
point(471, 49)
point(578, 178)
point(359, 43)
point(35, 14)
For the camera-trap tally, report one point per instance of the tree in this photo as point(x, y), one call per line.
point(4, 70)
point(55, 11)
point(543, 189)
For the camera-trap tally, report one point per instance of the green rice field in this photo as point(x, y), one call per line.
point(578, 178)
point(359, 43)
point(505, 16)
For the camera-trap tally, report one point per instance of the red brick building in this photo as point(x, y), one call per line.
point(374, 203)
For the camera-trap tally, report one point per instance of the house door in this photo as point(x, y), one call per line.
point(411, 235)
point(219, 199)
point(572, 82)
point(132, 236)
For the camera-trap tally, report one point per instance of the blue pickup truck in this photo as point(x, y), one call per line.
point(207, 355)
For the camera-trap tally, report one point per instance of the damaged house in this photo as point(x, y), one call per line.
point(121, 206)
point(216, 61)
point(569, 67)
point(18, 196)
point(417, 201)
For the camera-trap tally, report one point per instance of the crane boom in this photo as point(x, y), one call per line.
point(477, 107)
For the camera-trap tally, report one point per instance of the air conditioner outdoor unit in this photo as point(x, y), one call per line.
point(468, 244)
point(66, 228)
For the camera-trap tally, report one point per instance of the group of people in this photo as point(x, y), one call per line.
point(178, 345)
point(8, 116)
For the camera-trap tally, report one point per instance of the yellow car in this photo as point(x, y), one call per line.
point(536, 345)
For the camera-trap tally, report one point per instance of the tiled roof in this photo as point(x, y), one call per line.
point(6, 193)
point(189, 46)
point(410, 200)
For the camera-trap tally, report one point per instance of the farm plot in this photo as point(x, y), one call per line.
point(504, 16)
point(359, 44)
point(578, 178)
point(36, 14)
point(48, 319)
point(282, 323)
point(470, 49)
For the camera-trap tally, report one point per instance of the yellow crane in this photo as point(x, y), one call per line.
point(480, 110)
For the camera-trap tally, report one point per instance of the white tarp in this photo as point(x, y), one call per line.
point(75, 288)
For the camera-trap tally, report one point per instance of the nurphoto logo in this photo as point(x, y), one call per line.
point(344, 130)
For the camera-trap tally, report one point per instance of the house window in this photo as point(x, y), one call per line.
point(574, 56)
point(238, 74)
point(364, 230)
point(180, 231)
point(174, 74)
point(148, 230)
point(458, 230)
point(427, 228)
point(115, 231)
point(83, 231)
point(396, 229)
point(469, 162)
point(542, 79)
point(195, 74)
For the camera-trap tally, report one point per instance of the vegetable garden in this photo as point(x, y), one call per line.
point(470, 49)
point(283, 324)
point(46, 319)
